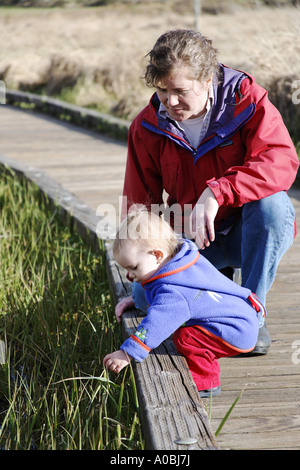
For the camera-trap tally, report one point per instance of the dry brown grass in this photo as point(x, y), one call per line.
point(99, 52)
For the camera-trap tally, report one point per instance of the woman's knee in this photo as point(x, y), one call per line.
point(272, 212)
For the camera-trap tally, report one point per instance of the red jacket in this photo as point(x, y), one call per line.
point(247, 153)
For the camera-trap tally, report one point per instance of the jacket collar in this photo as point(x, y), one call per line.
point(184, 259)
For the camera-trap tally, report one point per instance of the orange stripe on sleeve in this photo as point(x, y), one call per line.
point(137, 340)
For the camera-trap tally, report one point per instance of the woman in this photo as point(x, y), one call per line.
point(211, 139)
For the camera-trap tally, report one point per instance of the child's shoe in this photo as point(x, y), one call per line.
point(210, 392)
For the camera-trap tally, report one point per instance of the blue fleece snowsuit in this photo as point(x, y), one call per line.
point(190, 290)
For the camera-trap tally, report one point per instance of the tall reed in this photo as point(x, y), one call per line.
point(56, 319)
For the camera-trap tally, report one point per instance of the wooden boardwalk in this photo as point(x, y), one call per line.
point(92, 167)
point(87, 164)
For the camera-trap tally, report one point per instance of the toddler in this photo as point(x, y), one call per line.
point(210, 315)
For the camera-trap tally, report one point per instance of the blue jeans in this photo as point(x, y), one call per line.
point(255, 243)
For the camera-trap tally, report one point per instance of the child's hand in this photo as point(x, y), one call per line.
point(116, 361)
point(122, 306)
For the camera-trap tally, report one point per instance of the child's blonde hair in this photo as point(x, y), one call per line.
point(148, 230)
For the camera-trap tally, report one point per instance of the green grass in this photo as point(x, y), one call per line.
point(56, 318)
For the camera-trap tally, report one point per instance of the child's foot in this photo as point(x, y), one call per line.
point(210, 392)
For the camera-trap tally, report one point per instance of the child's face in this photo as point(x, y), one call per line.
point(141, 264)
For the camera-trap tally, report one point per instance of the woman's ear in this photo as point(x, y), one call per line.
point(208, 83)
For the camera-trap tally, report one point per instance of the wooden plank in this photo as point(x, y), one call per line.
point(169, 400)
point(84, 117)
point(86, 164)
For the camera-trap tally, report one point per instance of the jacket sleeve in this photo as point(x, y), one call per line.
point(166, 314)
point(142, 183)
point(271, 162)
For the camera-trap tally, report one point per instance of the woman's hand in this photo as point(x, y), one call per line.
point(116, 361)
point(203, 218)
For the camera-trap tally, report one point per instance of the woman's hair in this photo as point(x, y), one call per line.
point(148, 230)
point(181, 47)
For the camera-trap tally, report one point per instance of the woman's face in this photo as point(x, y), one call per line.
point(184, 98)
